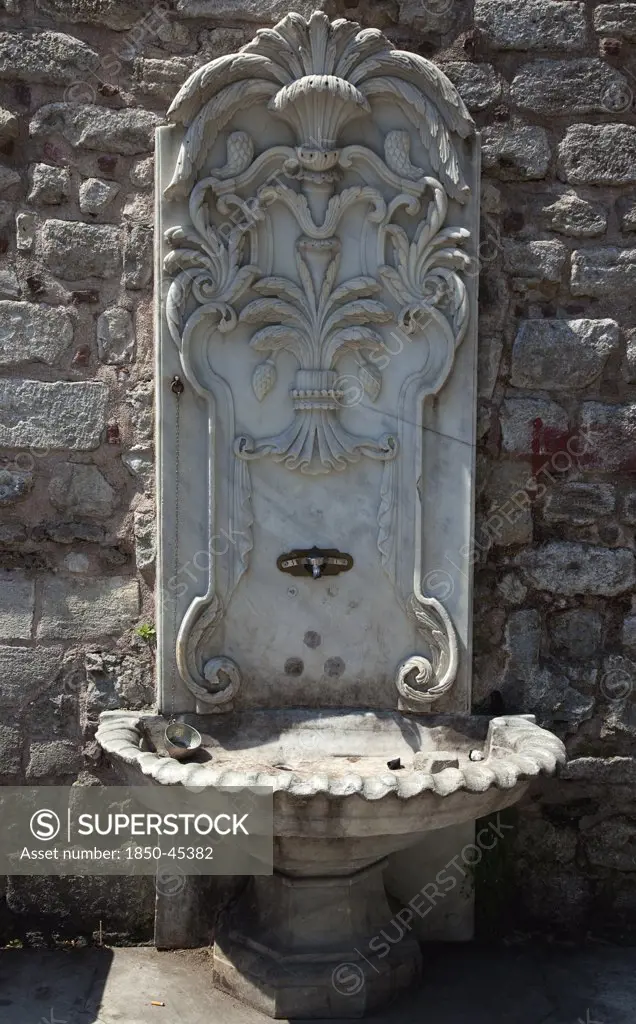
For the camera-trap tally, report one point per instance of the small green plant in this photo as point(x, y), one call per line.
point(146, 632)
point(14, 944)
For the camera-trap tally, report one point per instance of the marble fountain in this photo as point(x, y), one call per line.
point(316, 237)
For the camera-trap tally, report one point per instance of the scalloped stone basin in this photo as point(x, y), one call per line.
point(290, 945)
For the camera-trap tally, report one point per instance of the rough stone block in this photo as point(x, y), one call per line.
point(628, 509)
point(603, 272)
point(579, 503)
point(34, 414)
point(115, 336)
point(626, 209)
point(73, 250)
point(50, 185)
point(17, 606)
point(50, 58)
point(535, 261)
point(479, 85)
point(142, 173)
point(10, 750)
point(9, 285)
point(612, 844)
point(602, 154)
point(616, 20)
point(557, 355)
point(32, 333)
point(95, 195)
point(245, 10)
point(584, 86)
point(515, 153)
point(508, 519)
point(15, 484)
point(138, 250)
point(145, 533)
point(128, 131)
point(532, 24)
point(529, 425)
point(9, 126)
point(9, 180)
point(111, 14)
point(25, 672)
point(576, 217)
point(53, 759)
point(82, 490)
point(74, 610)
point(163, 78)
point(610, 434)
point(576, 632)
point(565, 567)
point(628, 634)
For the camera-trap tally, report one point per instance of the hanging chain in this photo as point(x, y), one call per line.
point(177, 388)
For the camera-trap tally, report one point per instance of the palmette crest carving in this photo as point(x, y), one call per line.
point(317, 77)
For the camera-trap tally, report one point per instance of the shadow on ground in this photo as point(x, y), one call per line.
point(525, 984)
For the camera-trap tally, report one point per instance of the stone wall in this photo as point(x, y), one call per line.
point(83, 83)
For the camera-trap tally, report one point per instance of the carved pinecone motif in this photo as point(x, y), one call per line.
point(263, 379)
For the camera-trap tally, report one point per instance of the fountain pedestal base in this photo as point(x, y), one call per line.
point(306, 948)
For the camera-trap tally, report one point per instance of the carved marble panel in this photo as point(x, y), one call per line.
point(317, 218)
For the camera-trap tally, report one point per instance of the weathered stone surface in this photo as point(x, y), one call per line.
point(535, 261)
point(9, 180)
point(565, 567)
point(73, 250)
point(25, 672)
point(142, 173)
point(527, 424)
point(612, 844)
point(60, 415)
point(612, 770)
point(138, 250)
point(579, 503)
point(128, 131)
point(584, 86)
point(626, 209)
point(15, 484)
point(80, 610)
point(602, 154)
point(628, 634)
point(479, 85)
point(529, 684)
point(30, 333)
point(163, 78)
point(95, 195)
point(140, 463)
point(116, 681)
point(12, 533)
point(628, 509)
point(51, 58)
point(112, 14)
point(512, 589)
point(53, 759)
point(68, 533)
point(610, 433)
point(603, 271)
point(9, 285)
point(17, 606)
point(576, 217)
point(515, 153)
point(145, 533)
point(616, 20)
point(245, 10)
point(629, 363)
point(577, 632)
point(532, 24)
point(50, 186)
point(25, 231)
point(82, 491)
point(561, 354)
point(508, 519)
point(141, 400)
point(10, 750)
point(9, 126)
point(116, 336)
